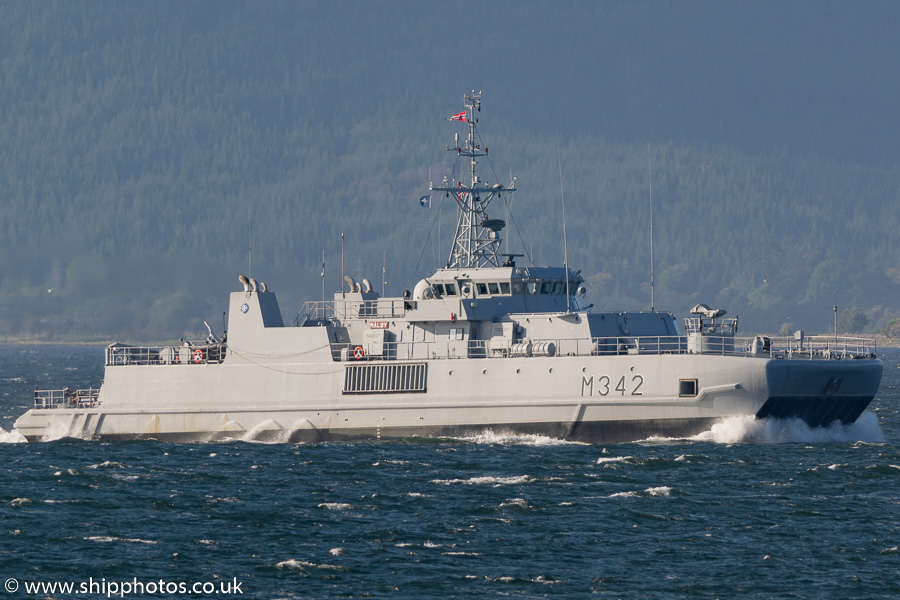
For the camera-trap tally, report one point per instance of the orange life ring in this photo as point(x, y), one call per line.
point(359, 353)
point(198, 356)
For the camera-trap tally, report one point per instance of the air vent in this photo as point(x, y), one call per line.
point(385, 378)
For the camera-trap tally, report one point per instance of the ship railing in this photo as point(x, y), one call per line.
point(820, 347)
point(316, 313)
point(454, 349)
point(345, 352)
point(705, 326)
point(809, 348)
point(601, 346)
point(189, 353)
point(66, 398)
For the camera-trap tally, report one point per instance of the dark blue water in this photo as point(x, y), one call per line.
point(750, 510)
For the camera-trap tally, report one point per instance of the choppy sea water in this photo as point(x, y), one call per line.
point(748, 510)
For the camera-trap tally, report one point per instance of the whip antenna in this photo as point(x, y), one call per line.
point(562, 196)
point(650, 180)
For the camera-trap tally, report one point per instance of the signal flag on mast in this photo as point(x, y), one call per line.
point(425, 201)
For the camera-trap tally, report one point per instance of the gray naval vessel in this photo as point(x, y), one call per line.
point(481, 344)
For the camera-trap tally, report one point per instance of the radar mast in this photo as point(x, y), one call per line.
point(477, 240)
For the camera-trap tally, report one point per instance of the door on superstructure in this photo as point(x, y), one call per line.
point(476, 344)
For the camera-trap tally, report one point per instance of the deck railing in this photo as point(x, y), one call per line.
point(318, 312)
point(193, 354)
point(66, 398)
point(809, 348)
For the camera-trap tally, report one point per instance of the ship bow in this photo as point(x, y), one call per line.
point(820, 392)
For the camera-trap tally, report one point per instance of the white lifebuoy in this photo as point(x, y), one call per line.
point(198, 356)
point(359, 353)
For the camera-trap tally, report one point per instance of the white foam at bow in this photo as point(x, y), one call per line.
point(747, 428)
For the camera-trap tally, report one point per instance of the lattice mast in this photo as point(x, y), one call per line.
point(477, 240)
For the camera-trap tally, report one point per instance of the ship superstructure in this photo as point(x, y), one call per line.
point(482, 343)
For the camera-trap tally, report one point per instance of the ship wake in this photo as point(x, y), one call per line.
point(506, 438)
point(749, 429)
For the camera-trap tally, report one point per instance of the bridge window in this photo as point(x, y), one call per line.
point(532, 287)
point(494, 289)
point(504, 287)
point(546, 287)
point(451, 289)
point(482, 289)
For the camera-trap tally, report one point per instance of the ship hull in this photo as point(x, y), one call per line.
point(598, 432)
point(588, 399)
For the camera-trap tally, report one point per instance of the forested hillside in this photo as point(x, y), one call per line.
point(150, 151)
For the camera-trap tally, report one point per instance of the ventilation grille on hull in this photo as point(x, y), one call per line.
point(385, 379)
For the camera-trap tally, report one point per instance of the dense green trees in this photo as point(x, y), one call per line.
point(892, 329)
point(145, 148)
point(851, 320)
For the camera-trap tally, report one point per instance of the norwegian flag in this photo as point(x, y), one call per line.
point(458, 117)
